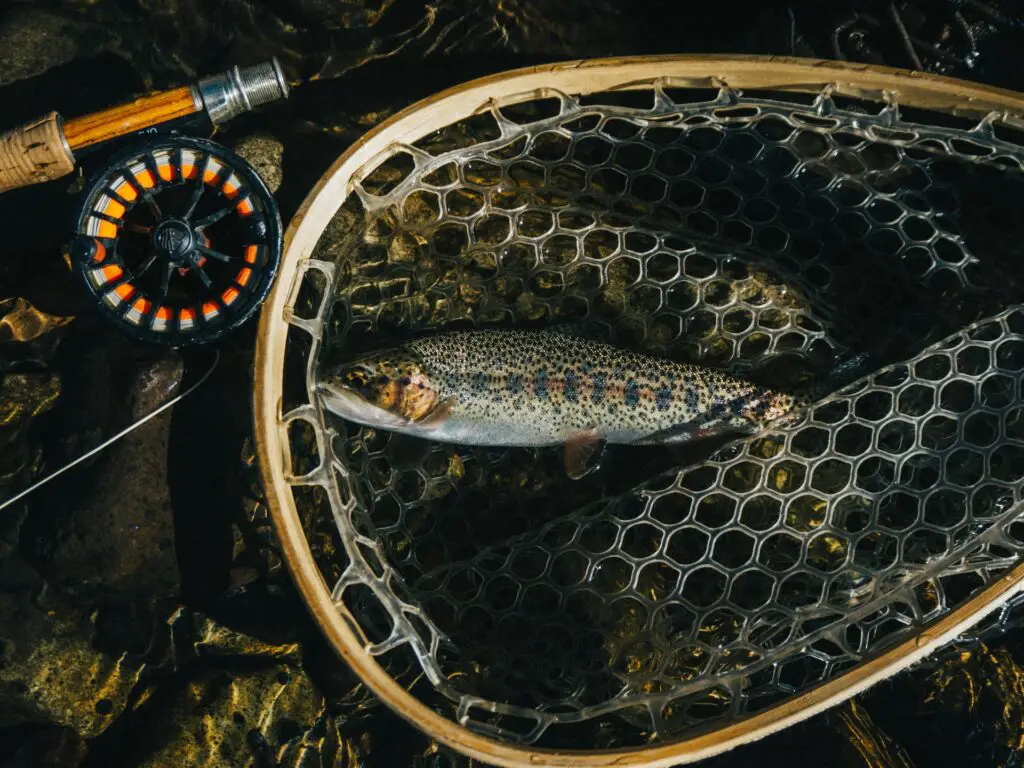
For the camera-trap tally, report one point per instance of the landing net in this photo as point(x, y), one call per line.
point(765, 233)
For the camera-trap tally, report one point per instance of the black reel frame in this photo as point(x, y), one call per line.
point(177, 239)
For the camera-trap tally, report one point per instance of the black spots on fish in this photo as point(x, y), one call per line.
point(564, 385)
point(632, 397)
point(663, 398)
point(572, 387)
point(758, 407)
point(540, 383)
point(691, 398)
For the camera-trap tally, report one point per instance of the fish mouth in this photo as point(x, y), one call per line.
point(351, 406)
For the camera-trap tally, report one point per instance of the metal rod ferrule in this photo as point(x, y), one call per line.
point(240, 90)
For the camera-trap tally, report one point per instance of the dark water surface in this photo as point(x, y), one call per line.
point(145, 615)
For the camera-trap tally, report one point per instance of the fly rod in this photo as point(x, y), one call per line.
point(47, 147)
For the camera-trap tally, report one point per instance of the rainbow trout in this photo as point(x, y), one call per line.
point(541, 388)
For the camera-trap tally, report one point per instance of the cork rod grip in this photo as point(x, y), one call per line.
point(34, 153)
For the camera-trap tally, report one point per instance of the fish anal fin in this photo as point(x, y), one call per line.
point(440, 414)
point(581, 452)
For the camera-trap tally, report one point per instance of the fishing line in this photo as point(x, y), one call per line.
point(110, 441)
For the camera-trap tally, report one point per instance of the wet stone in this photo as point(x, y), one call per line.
point(32, 41)
point(51, 673)
point(243, 718)
point(119, 532)
point(213, 640)
point(21, 322)
point(52, 746)
point(23, 397)
point(263, 152)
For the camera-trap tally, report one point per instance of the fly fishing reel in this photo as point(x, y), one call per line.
point(178, 240)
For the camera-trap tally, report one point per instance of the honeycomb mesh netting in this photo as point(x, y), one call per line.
point(774, 236)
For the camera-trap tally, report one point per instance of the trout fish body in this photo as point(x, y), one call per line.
point(541, 388)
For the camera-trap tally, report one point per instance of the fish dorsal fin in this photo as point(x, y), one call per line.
point(581, 452)
point(440, 414)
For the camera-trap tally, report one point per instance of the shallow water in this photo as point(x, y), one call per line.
point(145, 617)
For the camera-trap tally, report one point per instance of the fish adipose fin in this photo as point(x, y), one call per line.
point(582, 453)
point(440, 414)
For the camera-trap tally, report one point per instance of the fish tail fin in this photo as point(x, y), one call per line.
point(852, 368)
point(839, 376)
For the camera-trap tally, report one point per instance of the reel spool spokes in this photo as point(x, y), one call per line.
point(178, 240)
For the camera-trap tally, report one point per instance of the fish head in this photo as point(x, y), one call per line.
point(389, 390)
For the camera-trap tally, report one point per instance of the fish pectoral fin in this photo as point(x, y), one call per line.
point(440, 414)
point(582, 452)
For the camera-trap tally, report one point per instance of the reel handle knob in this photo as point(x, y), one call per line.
point(82, 249)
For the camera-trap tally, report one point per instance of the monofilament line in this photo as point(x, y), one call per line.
point(107, 443)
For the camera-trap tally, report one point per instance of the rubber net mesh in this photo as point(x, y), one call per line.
point(671, 590)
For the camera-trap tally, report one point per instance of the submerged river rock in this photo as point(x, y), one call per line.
point(119, 535)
